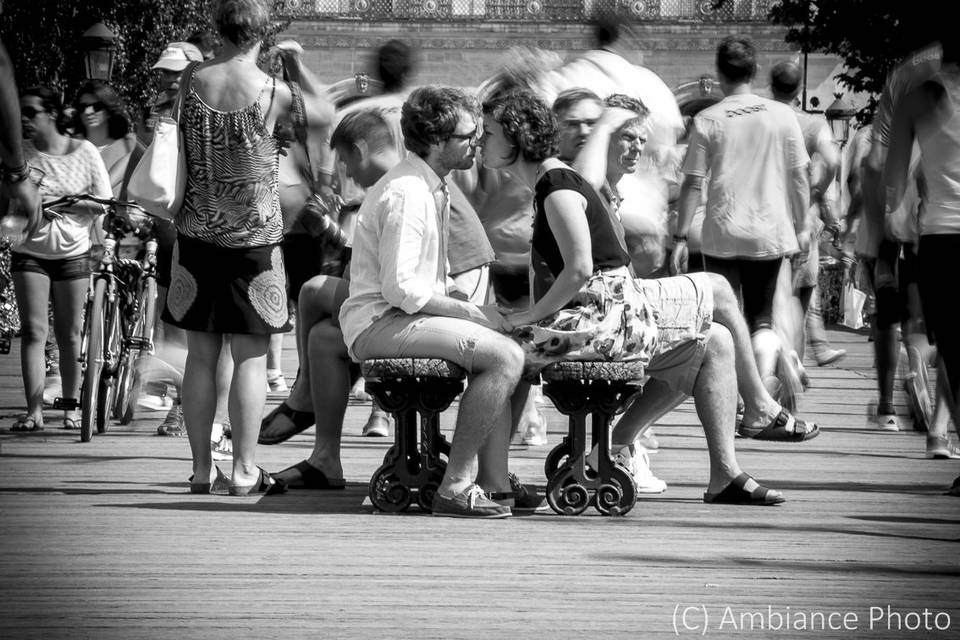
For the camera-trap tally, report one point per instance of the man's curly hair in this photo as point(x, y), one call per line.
point(430, 116)
point(527, 122)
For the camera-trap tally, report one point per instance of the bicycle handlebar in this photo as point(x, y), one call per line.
point(110, 202)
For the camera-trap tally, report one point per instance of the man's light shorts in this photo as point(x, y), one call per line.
point(398, 334)
point(684, 310)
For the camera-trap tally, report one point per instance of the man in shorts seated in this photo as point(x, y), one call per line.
point(399, 305)
point(687, 305)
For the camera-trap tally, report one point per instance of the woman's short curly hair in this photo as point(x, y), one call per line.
point(430, 116)
point(118, 124)
point(527, 121)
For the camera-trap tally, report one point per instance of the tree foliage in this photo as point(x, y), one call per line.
point(870, 36)
point(43, 39)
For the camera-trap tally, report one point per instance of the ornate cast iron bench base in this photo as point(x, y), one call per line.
point(412, 388)
point(598, 390)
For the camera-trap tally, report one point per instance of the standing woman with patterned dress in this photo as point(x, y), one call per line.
point(227, 273)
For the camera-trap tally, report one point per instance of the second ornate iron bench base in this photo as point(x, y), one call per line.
point(598, 391)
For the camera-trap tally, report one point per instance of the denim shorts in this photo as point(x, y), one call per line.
point(57, 269)
point(683, 309)
point(397, 334)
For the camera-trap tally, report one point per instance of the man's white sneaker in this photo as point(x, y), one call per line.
point(535, 435)
point(942, 449)
point(276, 382)
point(635, 458)
point(222, 449)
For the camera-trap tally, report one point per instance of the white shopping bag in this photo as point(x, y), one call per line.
point(853, 301)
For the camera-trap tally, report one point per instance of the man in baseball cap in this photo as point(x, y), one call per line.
point(174, 59)
point(177, 56)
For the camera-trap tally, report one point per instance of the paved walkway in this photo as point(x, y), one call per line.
point(102, 540)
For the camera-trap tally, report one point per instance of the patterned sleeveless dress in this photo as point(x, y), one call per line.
point(609, 319)
point(227, 273)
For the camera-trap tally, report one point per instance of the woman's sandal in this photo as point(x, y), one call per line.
point(301, 421)
point(69, 424)
point(310, 478)
point(736, 493)
point(783, 428)
point(265, 484)
point(24, 424)
point(218, 487)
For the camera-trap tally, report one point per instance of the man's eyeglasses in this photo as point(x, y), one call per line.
point(30, 112)
point(473, 137)
point(97, 106)
point(576, 124)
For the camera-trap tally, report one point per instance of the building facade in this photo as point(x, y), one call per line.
point(464, 42)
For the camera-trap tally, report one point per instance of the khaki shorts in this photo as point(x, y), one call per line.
point(397, 334)
point(683, 309)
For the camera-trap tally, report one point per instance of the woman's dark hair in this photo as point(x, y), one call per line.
point(52, 104)
point(430, 116)
point(527, 122)
point(118, 124)
point(242, 22)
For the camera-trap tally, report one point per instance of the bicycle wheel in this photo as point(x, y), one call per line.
point(136, 347)
point(113, 350)
point(93, 329)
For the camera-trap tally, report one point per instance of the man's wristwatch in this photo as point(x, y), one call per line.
point(16, 175)
point(678, 239)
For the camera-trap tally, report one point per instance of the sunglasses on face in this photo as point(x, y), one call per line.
point(97, 106)
point(30, 112)
point(473, 136)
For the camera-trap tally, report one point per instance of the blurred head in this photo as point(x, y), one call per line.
point(517, 125)
point(395, 63)
point(41, 113)
point(206, 42)
point(98, 105)
point(736, 60)
point(785, 80)
point(442, 122)
point(606, 31)
point(626, 143)
point(577, 110)
point(242, 22)
point(361, 139)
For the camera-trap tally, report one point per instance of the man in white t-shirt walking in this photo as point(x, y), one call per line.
point(758, 192)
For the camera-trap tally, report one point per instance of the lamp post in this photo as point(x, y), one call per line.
point(838, 115)
point(99, 46)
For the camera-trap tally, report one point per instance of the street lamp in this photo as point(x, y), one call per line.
point(99, 46)
point(838, 115)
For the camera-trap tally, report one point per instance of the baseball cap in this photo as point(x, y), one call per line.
point(177, 56)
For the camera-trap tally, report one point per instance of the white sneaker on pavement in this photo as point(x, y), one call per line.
point(637, 460)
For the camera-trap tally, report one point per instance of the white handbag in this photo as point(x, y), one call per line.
point(159, 181)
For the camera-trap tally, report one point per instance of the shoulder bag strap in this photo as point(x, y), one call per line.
point(186, 79)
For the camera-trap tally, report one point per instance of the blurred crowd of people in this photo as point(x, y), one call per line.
point(565, 211)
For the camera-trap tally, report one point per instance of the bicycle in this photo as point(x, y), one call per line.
point(118, 322)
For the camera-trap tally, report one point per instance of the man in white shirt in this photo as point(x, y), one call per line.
point(399, 304)
point(758, 192)
point(785, 84)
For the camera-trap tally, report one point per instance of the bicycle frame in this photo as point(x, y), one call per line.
point(118, 302)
